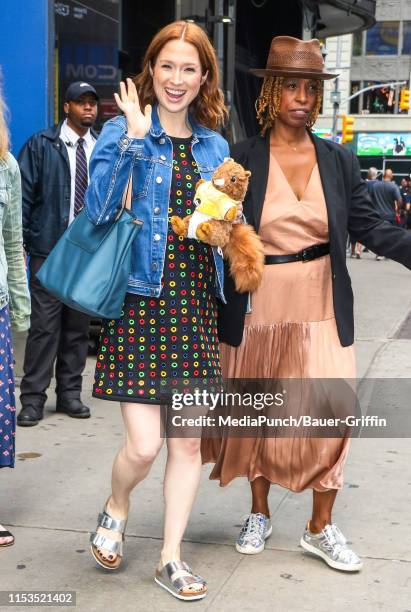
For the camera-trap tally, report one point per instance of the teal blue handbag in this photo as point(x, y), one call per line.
point(89, 267)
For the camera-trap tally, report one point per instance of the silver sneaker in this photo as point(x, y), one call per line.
point(331, 546)
point(254, 532)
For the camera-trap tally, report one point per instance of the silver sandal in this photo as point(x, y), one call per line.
point(176, 576)
point(98, 540)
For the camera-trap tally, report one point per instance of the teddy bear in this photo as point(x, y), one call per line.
point(212, 222)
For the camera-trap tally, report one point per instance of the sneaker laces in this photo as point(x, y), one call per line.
point(340, 537)
point(336, 543)
point(252, 526)
point(330, 541)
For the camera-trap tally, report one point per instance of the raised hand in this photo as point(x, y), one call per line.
point(138, 123)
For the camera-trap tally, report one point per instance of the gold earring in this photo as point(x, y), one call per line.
point(310, 121)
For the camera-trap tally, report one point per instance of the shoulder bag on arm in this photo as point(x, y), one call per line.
point(89, 267)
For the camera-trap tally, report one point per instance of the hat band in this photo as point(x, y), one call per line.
point(296, 60)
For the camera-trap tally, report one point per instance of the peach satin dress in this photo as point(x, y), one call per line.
point(290, 333)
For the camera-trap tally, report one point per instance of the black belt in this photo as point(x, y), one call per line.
point(308, 254)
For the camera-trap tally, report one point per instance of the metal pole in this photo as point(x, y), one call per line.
point(177, 10)
point(229, 64)
point(336, 107)
point(336, 96)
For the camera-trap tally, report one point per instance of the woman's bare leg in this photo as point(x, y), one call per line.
point(181, 482)
point(323, 502)
point(133, 461)
point(260, 488)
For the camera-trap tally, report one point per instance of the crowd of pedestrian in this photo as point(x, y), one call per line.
point(391, 202)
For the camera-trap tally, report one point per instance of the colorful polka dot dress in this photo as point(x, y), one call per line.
point(171, 341)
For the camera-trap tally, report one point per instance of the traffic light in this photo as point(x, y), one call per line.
point(404, 99)
point(347, 129)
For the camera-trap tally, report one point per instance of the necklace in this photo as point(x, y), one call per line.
point(284, 142)
point(293, 147)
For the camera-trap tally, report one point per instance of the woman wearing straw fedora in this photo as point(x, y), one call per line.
point(304, 194)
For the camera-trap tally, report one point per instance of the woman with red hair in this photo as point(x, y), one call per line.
point(167, 333)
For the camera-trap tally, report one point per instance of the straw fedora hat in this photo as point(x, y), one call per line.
point(292, 57)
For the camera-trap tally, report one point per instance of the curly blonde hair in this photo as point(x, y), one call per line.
point(268, 103)
point(208, 107)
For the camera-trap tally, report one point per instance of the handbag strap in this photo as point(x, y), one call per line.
point(126, 199)
point(128, 193)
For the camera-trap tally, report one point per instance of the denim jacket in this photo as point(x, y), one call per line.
point(13, 280)
point(114, 157)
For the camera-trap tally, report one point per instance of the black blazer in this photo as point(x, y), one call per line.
point(349, 209)
point(46, 187)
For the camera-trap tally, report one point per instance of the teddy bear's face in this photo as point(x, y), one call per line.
point(231, 179)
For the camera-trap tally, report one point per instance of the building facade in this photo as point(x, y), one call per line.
point(46, 44)
point(379, 55)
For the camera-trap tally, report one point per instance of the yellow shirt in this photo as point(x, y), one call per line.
point(213, 202)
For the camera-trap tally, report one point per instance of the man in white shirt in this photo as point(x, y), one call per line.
point(54, 168)
point(81, 114)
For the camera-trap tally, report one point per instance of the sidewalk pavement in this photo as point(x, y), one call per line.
point(51, 500)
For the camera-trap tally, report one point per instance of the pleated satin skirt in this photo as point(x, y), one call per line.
point(290, 333)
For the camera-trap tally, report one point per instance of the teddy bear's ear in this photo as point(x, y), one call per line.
point(247, 173)
point(228, 159)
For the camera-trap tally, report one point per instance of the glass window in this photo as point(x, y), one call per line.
point(378, 101)
point(357, 44)
point(87, 43)
point(382, 38)
point(355, 102)
point(406, 37)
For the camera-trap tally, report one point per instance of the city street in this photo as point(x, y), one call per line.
point(51, 500)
